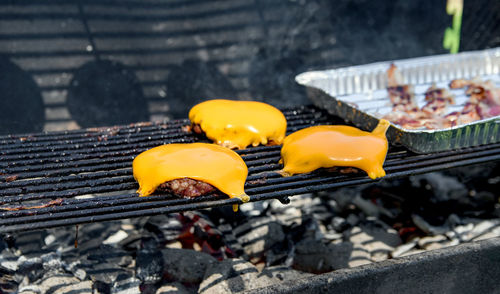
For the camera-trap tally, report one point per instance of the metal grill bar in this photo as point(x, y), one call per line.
point(65, 176)
point(104, 134)
point(119, 142)
point(75, 146)
point(52, 138)
point(97, 175)
point(111, 178)
point(98, 150)
point(255, 183)
point(29, 169)
point(55, 138)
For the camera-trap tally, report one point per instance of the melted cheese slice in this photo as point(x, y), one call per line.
point(238, 124)
point(328, 146)
point(218, 166)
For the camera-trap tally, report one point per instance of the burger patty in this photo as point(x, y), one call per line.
point(186, 187)
point(197, 129)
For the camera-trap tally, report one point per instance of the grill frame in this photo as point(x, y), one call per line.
point(465, 268)
point(95, 161)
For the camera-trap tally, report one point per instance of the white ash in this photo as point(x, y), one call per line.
point(237, 275)
point(229, 276)
point(259, 236)
point(479, 230)
point(172, 288)
point(52, 283)
point(403, 249)
point(436, 242)
point(115, 238)
point(126, 284)
point(473, 232)
point(288, 215)
point(254, 208)
point(83, 287)
point(9, 261)
point(374, 238)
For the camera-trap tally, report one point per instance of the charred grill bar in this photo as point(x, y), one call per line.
point(44, 177)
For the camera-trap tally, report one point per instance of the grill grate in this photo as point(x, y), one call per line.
point(71, 174)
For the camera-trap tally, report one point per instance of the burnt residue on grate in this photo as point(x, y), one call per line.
point(72, 177)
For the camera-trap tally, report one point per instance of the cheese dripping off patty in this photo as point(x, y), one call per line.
point(218, 166)
point(335, 145)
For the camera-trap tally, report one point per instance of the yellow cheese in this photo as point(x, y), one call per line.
point(238, 124)
point(328, 146)
point(218, 166)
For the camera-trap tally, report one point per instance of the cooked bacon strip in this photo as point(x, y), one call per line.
point(493, 97)
point(477, 93)
point(452, 118)
point(402, 97)
point(484, 102)
point(436, 107)
point(478, 106)
point(403, 119)
point(438, 100)
point(405, 111)
point(459, 83)
point(435, 93)
point(437, 123)
point(470, 113)
point(494, 111)
point(394, 76)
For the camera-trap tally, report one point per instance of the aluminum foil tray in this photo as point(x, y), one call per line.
point(358, 94)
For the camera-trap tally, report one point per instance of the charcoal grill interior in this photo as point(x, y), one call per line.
point(74, 177)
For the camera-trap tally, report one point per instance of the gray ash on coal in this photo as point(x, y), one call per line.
point(219, 251)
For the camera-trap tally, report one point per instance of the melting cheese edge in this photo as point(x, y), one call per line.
point(218, 166)
point(238, 124)
point(334, 145)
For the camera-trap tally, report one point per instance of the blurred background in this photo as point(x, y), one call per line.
point(73, 64)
